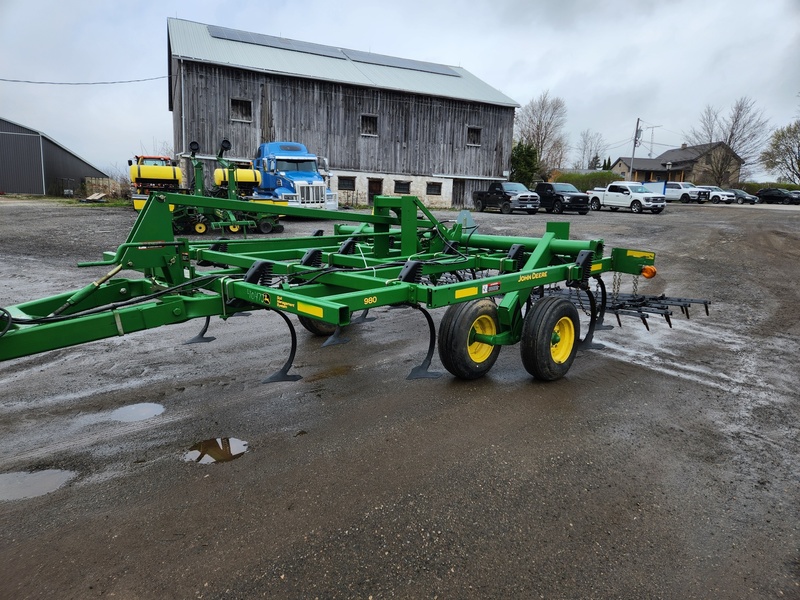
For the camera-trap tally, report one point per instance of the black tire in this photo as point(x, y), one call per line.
point(463, 359)
point(317, 327)
point(505, 208)
point(715, 200)
point(278, 228)
point(200, 226)
point(685, 198)
point(550, 335)
point(636, 207)
point(595, 204)
point(479, 207)
point(264, 226)
point(740, 201)
point(558, 208)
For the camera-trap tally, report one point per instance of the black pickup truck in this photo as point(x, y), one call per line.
point(506, 196)
point(561, 197)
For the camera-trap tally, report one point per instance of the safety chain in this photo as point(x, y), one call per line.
point(615, 287)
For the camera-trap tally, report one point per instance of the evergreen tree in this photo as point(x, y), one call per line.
point(524, 164)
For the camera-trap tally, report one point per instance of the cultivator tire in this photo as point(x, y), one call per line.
point(234, 228)
point(200, 227)
point(317, 327)
point(264, 226)
point(550, 337)
point(460, 354)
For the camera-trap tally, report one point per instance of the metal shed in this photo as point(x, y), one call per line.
point(33, 163)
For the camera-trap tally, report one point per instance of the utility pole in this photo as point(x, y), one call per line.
point(637, 133)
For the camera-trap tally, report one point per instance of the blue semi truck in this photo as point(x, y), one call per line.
point(290, 173)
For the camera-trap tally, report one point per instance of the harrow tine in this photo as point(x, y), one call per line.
point(201, 337)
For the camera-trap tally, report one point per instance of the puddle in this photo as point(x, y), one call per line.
point(215, 450)
point(22, 484)
point(136, 412)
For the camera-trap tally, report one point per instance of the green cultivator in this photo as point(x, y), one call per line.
point(497, 291)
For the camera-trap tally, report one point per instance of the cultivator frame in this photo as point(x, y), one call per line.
point(400, 255)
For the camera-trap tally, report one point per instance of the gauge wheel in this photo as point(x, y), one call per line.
point(200, 226)
point(550, 335)
point(264, 226)
point(459, 352)
point(234, 228)
point(317, 327)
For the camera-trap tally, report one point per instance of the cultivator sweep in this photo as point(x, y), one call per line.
point(497, 290)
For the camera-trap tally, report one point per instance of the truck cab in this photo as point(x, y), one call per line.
point(290, 173)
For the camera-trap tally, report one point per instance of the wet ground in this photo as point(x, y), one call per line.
point(665, 465)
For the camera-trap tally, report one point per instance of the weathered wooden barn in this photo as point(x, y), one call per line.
point(33, 163)
point(387, 125)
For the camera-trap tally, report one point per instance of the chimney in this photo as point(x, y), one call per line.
point(684, 146)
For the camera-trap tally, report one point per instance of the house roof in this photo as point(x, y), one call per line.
point(679, 157)
point(269, 54)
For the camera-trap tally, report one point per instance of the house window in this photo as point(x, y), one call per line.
point(346, 184)
point(433, 188)
point(241, 110)
point(369, 125)
point(473, 136)
point(402, 187)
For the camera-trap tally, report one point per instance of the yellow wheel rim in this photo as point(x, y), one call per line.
point(562, 340)
point(200, 227)
point(234, 228)
point(479, 351)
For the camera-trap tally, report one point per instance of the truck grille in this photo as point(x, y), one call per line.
point(311, 194)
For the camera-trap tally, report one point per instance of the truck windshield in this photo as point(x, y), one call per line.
point(639, 189)
point(515, 187)
point(305, 166)
point(564, 187)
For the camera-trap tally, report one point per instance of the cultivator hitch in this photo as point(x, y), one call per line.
point(492, 287)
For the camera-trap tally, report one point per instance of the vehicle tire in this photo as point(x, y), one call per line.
point(583, 212)
point(317, 327)
point(715, 200)
point(558, 208)
point(594, 204)
point(264, 226)
point(462, 357)
point(479, 207)
point(740, 201)
point(786, 200)
point(200, 226)
point(550, 335)
point(505, 208)
point(533, 212)
point(636, 207)
point(548, 210)
point(657, 210)
point(685, 198)
point(234, 228)
point(278, 228)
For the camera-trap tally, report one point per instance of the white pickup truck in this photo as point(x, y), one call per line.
point(685, 191)
point(627, 194)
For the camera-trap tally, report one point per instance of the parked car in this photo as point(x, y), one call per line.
point(507, 196)
point(562, 197)
point(685, 191)
point(716, 194)
point(743, 197)
point(776, 196)
point(626, 194)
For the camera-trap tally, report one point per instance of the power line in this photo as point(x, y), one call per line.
point(82, 82)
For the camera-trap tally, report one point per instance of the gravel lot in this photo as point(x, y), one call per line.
point(665, 465)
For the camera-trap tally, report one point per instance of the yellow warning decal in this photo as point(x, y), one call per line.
point(466, 292)
point(597, 267)
point(309, 309)
point(640, 254)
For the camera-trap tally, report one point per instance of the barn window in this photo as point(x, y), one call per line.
point(433, 188)
point(473, 136)
point(402, 187)
point(241, 110)
point(369, 125)
point(346, 184)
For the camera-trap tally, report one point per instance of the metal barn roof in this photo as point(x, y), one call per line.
point(269, 54)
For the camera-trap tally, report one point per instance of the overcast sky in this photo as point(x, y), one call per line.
point(611, 61)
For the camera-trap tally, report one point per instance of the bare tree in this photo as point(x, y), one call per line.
point(540, 123)
point(590, 146)
point(744, 130)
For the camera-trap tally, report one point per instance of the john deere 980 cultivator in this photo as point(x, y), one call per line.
point(497, 291)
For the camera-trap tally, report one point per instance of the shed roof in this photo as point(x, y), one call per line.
point(269, 54)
